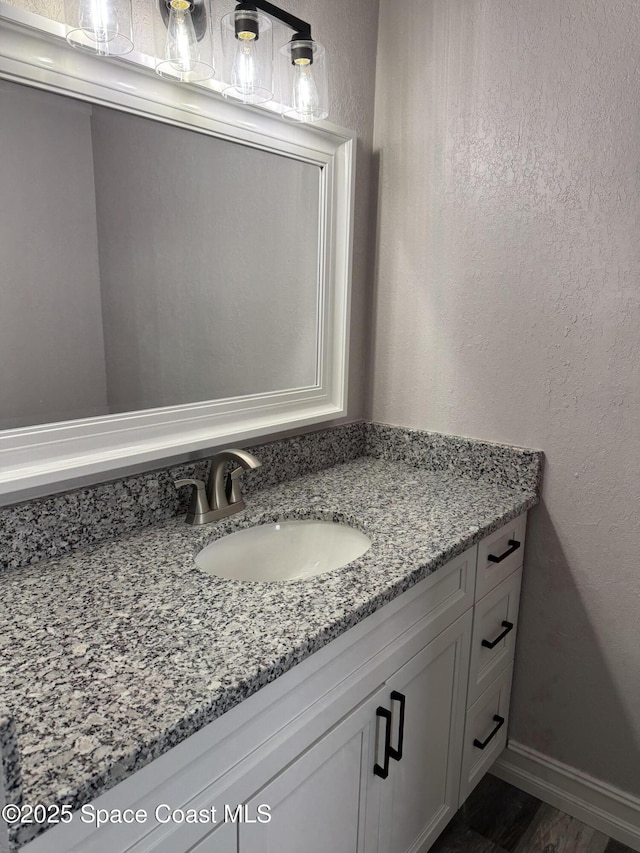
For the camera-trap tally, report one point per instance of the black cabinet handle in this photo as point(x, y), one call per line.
point(396, 753)
point(508, 626)
point(482, 743)
point(513, 546)
point(383, 771)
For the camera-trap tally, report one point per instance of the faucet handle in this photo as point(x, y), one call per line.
point(223, 490)
point(199, 506)
point(234, 494)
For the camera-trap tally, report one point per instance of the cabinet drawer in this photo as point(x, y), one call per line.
point(485, 736)
point(496, 615)
point(499, 554)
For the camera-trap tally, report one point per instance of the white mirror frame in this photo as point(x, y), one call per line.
point(51, 457)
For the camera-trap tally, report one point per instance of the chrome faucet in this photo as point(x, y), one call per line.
point(222, 495)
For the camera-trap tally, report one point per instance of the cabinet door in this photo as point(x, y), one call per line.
point(319, 803)
point(221, 840)
point(420, 794)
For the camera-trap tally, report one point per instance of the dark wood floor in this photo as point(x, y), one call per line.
point(498, 818)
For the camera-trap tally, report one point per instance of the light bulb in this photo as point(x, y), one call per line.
point(98, 19)
point(306, 99)
point(182, 44)
point(244, 74)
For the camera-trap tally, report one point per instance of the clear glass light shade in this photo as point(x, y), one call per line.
point(305, 94)
point(248, 57)
point(184, 50)
point(100, 26)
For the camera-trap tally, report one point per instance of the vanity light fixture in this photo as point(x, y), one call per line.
point(183, 40)
point(242, 33)
point(184, 48)
point(100, 26)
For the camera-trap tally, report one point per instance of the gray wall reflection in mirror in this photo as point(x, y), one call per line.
point(146, 265)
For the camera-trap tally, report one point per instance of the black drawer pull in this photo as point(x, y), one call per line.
point(396, 754)
point(482, 743)
point(508, 626)
point(383, 771)
point(513, 546)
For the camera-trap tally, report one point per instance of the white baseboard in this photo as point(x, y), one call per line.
point(595, 803)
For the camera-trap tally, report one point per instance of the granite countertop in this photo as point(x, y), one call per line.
point(111, 656)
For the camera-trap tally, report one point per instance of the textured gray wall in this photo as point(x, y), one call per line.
point(208, 264)
point(508, 308)
point(51, 348)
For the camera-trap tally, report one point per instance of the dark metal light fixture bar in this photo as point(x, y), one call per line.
point(301, 28)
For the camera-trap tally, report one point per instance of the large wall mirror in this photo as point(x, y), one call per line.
point(146, 265)
point(175, 268)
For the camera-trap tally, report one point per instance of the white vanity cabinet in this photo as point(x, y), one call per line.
point(385, 778)
point(368, 746)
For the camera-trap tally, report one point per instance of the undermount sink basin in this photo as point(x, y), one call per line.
point(283, 551)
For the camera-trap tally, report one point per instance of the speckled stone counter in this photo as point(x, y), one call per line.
point(110, 657)
point(10, 758)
